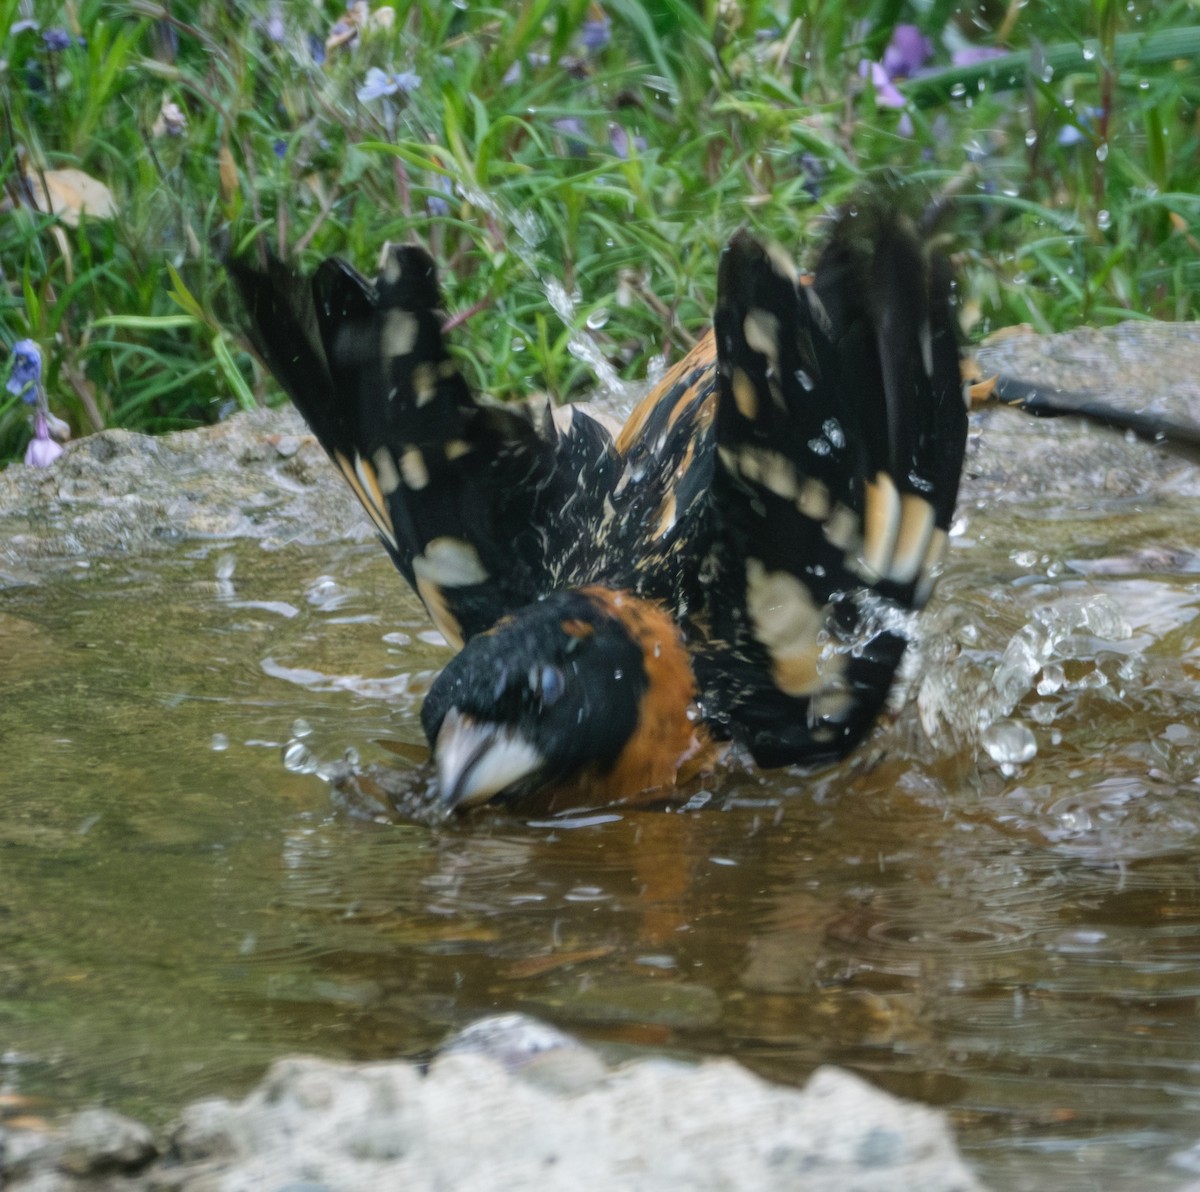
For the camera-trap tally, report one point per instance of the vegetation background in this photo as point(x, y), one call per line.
point(574, 165)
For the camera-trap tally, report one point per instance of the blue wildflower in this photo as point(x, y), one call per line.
point(42, 450)
point(519, 69)
point(622, 144)
point(316, 48)
point(437, 204)
point(574, 134)
point(595, 34)
point(908, 50)
point(25, 377)
point(1084, 128)
point(279, 145)
point(887, 95)
point(379, 83)
point(56, 40)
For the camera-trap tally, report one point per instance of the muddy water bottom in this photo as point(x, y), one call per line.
point(1016, 942)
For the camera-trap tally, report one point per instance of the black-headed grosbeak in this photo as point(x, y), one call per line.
point(734, 564)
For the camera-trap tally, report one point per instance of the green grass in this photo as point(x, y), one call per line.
point(504, 159)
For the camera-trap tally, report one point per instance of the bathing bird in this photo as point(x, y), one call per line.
point(737, 565)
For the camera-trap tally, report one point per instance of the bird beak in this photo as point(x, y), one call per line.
point(476, 760)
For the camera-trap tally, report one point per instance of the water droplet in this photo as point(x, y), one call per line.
point(301, 729)
point(1089, 53)
point(518, 344)
point(298, 758)
point(1103, 220)
point(958, 90)
point(1043, 713)
point(1052, 680)
point(597, 318)
point(220, 742)
point(1031, 137)
point(1008, 742)
point(1102, 151)
point(804, 380)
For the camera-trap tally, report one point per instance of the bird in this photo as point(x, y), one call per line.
point(736, 567)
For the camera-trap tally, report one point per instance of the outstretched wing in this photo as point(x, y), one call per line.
point(840, 431)
point(460, 492)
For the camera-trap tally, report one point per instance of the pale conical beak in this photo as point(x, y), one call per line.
point(476, 759)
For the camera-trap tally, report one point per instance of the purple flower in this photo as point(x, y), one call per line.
point(26, 374)
point(907, 52)
point(622, 143)
point(42, 450)
point(381, 82)
point(56, 40)
point(438, 204)
point(886, 94)
point(595, 34)
point(519, 69)
point(280, 147)
point(574, 134)
point(974, 55)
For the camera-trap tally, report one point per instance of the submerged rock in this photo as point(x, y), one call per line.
point(483, 1116)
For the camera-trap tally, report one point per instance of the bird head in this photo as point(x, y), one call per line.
point(587, 688)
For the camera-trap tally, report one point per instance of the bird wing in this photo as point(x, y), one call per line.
point(840, 428)
point(467, 497)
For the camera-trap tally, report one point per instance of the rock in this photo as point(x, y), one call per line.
point(652, 1124)
point(261, 475)
point(540, 1054)
point(481, 1119)
point(256, 475)
point(100, 1141)
point(204, 1131)
point(1136, 365)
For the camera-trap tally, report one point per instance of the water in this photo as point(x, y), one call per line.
point(1017, 940)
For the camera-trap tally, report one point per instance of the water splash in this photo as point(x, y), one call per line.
point(581, 342)
point(1046, 636)
point(583, 345)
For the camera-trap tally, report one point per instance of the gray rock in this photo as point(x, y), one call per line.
point(653, 1124)
point(204, 1131)
point(473, 1123)
point(1013, 458)
point(99, 1141)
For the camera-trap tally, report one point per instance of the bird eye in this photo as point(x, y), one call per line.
point(548, 682)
